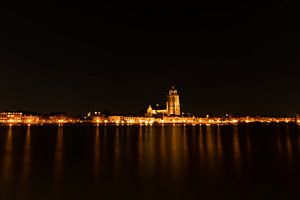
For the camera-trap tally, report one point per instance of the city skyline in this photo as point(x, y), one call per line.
point(149, 100)
point(232, 57)
point(159, 103)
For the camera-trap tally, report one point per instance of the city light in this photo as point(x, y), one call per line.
point(155, 115)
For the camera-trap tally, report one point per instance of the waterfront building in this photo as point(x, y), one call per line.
point(297, 118)
point(30, 119)
point(156, 110)
point(61, 119)
point(172, 107)
point(11, 117)
point(173, 103)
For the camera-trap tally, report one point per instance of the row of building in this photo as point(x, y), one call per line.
point(21, 118)
point(170, 113)
point(25, 118)
point(191, 120)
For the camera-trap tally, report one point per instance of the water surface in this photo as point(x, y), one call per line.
point(250, 161)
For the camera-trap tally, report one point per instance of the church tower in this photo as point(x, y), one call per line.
point(173, 104)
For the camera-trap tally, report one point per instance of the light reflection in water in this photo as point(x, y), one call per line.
point(26, 157)
point(210, 147)
point(117, 151)
point(298, 136)
point(236, 149)
point(178, 151)
point(289, 149)
point(278, 142)
point(150, 154)
point(175, 155)
point(140, 147)
point(163, 149)
point(104, 132)
point(59, 156)
point(248, 142)
point(185, 157)
point(7, 158)
point(140, 140)
point(219, 143)
point(162, 152)
point(97, 150)
point(201, 146)
point(185, 144)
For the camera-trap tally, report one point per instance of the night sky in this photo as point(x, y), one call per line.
point(230, 57)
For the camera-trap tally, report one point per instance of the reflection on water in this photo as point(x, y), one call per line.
point(279, 142)
point(7, 157)
point(161, 161)
point(284, 141)
point(97, 151)
point(248, 142)
point(163, 157)
point(298, 136)
point(26, 158)
point(236, 148)
point(210, 147)
point(219, 143)
point(289, 145)
point(117, 151)
point(201, 144)
point(59, 157)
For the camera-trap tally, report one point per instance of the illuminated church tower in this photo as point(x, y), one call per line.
point(173, 105)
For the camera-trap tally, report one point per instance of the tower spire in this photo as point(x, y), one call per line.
point(173, 104)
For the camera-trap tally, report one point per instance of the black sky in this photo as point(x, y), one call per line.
point(230, 57)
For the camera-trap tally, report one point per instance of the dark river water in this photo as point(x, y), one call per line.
point(250, 161)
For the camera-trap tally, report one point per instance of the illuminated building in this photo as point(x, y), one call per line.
point(11, 117)
point(93, 114)
point(297, 118)
point(172, 105)
point(114, 119)
point(61, 119)
point(149, 111)
point(30, 119)
point(156, 110)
